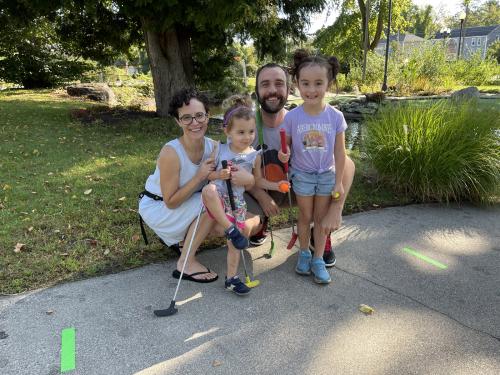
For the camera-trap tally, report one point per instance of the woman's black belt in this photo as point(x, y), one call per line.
point(141, 222)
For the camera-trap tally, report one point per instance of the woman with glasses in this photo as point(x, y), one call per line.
point(172, 197)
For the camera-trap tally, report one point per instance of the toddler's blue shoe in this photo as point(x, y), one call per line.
point(318, 268)
point(304, 262)
point(234, 235)
point(235, 285)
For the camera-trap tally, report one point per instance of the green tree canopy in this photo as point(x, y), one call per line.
point(344, 38)
point(187, 41)
point(422, 21)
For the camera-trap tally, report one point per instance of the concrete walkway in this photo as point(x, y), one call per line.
point(441, 318)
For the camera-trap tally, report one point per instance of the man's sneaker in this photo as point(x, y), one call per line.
point(261, 236)
point(234, 235)
point(318, 269)
point(304, 263)
point(328, 255)
point(235, 285)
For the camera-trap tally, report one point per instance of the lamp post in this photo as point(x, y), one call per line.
point(445, 32)
point(384, 85)
point(461, 16)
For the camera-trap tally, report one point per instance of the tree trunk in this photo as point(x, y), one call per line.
point(171, 63)
point(380, 24)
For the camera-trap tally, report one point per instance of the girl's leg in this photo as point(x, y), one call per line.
point(305, 204)
point(233, 260)
point(212, 202)
point(321, 206)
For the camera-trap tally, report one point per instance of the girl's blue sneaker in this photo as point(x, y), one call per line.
point(239, 240)
point(235, 285)
point(318, 268)
point(304, 262)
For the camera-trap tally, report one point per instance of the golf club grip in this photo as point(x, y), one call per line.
point(283, 147)
point(229, 188)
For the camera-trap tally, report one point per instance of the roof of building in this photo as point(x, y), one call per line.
point(468, 31)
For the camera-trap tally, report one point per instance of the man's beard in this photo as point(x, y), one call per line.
point(276, 108)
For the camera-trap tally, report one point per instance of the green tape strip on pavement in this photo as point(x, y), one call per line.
point(68, 361)
point(425, 258)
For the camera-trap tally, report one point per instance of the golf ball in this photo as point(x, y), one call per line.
point(284, 187)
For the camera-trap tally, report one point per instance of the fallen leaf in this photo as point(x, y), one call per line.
point(7, 187)
point(30, 229)
point(122, 198)
point(87, 192)
point(216, 363)
point(365, 309)
point(106, 252)
point(19, 247)
point(135, 238)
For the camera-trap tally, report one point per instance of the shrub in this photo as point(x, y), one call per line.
point(475, 71)
point(446, 151)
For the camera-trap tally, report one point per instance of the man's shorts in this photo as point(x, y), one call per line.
point(309, 184)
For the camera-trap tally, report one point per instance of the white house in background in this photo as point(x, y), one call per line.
point(406, 42)
point(473, 39)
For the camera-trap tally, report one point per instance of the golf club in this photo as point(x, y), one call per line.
point(249, 283)
point(171, 310)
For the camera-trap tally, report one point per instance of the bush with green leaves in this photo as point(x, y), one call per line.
point(475, 70)
point(445, 151)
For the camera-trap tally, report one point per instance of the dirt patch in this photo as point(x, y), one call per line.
point(108, 115)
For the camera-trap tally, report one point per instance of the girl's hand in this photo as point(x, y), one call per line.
point(241, 177)
point(284, 157)
point(338, 191)
point(225, 174)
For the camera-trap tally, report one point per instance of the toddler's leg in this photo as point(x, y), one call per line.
point(212, 202)
point(233, 282)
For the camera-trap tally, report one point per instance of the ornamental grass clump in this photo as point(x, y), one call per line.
point(445, 151)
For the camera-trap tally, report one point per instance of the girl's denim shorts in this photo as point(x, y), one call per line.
point(310, 184)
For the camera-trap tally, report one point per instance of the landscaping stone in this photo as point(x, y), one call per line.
point(99, 92)
point(467, 93)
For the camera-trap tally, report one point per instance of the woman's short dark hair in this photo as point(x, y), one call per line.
point(183, 97)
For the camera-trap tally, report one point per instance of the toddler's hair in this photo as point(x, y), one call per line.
point(302, 59)
point(238, 106)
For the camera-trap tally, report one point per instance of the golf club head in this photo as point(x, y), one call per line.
point(270, 254)
point(171, 310)
point(292, 241)
point(250, 283)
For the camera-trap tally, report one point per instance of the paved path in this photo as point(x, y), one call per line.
point(427, 320)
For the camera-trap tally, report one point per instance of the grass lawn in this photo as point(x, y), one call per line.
point(68, 190)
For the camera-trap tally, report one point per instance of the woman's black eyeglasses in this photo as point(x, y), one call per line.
point(188, 119)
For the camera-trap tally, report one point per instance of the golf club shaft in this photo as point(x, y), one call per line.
point(188, 251)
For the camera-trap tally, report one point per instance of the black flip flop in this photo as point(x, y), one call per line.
point(176, 274)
